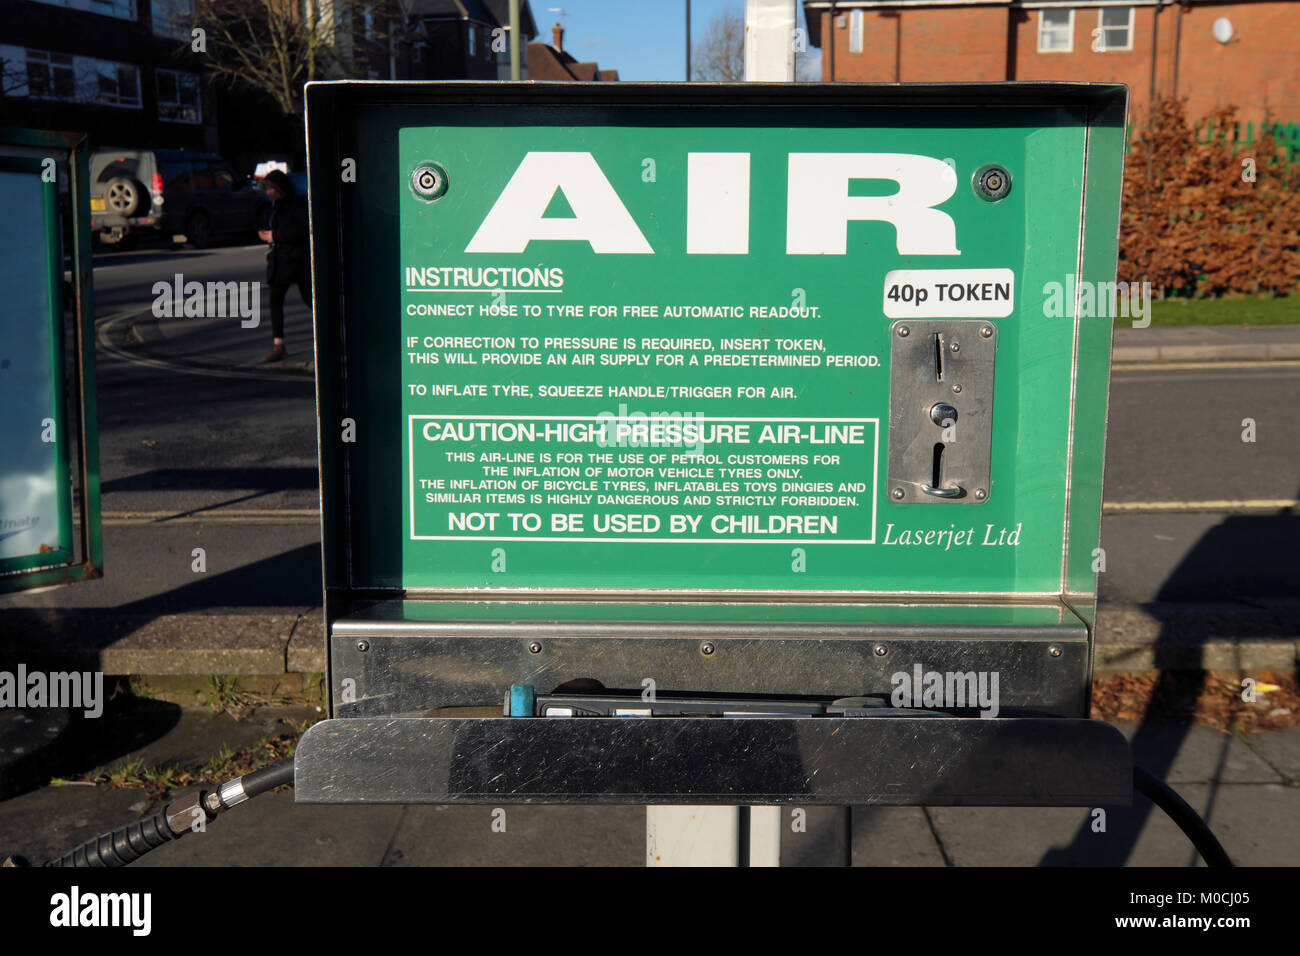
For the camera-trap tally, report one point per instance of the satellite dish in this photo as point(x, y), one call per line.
point(1222, 29)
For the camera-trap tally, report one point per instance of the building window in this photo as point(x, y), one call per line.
point(855, 31)
point(172, 18)
point(473, 40)
point(118, 83)
point(1114, 29)
point(122, 9)
point(50, 76)
point(73, 79)
point(1055, 30)
point(178, 97)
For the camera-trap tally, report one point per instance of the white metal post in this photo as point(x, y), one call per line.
point(712, 836)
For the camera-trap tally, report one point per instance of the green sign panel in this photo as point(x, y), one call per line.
point(642, 354)
point(35, 484)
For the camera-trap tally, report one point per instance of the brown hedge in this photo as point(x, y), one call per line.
point(1191, 225)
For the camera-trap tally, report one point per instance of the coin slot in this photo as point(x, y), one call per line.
point(938, 356)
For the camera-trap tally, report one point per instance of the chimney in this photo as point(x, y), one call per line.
point(557, 37)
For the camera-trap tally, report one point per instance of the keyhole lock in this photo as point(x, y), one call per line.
point(943, 415)
point(939, 364)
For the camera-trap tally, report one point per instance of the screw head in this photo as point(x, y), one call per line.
point(706, 648)
point(956, 389)
point(429, 180)
point(363, 646)
point(980, 494)
point(986, 331)
point(534, 648)
point(955, 347)
point(1055, 650)
point(992, 183)
point(880, 650)
point(904, 331)
point(898, 494)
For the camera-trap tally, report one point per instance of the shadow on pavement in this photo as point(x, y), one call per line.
point(215, 479)
point(1234, 548)
point(46, 743)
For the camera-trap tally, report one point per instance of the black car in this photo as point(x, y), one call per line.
point(172, 192)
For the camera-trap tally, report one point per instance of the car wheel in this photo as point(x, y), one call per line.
point(198, 230)
point(123, 196)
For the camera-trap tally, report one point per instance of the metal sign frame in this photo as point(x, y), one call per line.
point(75, 388)
point(402, 661)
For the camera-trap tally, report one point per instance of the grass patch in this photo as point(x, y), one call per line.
point(225, 765)
point(1243, 311)
point(225, 696)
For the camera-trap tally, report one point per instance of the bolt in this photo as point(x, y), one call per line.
point(429, 181)
point(980, 494)
point(955, 347)
point(881, 650)
point(956, 389)
point(1055, 650)
point(363, 646)
point(898, 494)
point(904, 331)
point(535, 648)
point(706, 648)
point(992, 183)
point(986, 331)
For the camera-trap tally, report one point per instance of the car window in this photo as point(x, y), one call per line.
point(223, 176)
point(175, 174)
point(202, 174)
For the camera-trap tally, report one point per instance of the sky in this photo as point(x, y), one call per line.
point(642, 39)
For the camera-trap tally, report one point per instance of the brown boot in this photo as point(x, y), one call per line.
point(276, 354)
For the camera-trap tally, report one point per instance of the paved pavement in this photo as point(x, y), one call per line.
point(204, 448)
point(1206, 343)
point(1248, 789)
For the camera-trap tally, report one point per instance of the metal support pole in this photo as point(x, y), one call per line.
point(514, 41)
point(688, 41)
point(769, 40)
point(730, 836)
point(713, 836)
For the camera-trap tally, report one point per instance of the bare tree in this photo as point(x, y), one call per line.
point(277, 46)
point(720, 55)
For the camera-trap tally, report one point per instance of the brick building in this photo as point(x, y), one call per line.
point(550, 61)
point(1244, 53)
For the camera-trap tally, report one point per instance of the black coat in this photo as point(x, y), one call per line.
point(289, 258)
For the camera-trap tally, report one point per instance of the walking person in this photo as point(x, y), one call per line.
point(288, 260)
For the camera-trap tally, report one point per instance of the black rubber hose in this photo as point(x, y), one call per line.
point(127, 844)
point(121, 846)
point(268, 778)
point(1188, 820)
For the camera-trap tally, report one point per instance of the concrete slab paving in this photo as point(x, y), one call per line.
point(894, 836)
point(54, 820)
point(431, 835)
point(1280, 750)
point(275, 831)
point(1191, 753)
